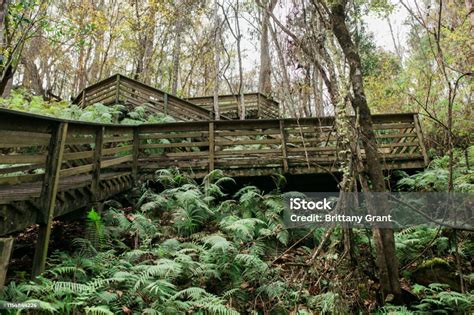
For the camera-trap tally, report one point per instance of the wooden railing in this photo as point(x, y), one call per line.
point(49, 167)
point(252, 147)
point(256, 105)
point(119, 89)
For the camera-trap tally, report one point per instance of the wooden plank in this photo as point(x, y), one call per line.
point(165, 101)
point(23, 159)
point(22, 139)
point(311, 149)
point(20, 179)
point(117, 150)
point(20, 168)
point(77, 155)
point(149, 136)
point(251, 132)
point(120, 160)
point(283, 146)
point(211, 146)
point(48, 193)
point(76, 170)
point(80, 140)
point(248, 142)
point(247, 152)
point(117, 89)
point(6, 246)
point(135, 154)
point(174, 145)
point(393, 126)
point(99, 144)
point(183, 154)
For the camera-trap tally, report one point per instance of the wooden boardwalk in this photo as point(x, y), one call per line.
point(119, 89)
point(50, 167)
point(99, 160)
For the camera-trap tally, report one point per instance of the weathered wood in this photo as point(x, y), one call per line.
point(98, 148)
point(211, 146)
point(76, 170)
point(22, 139)
point(239, 148)
point(78, 155)
point(151, 136)
point(22, 159)
point(117, 90)
point(175, 145)
point(6, 246)
point(20, 179)
point(48, 192)
point(248, 142)
point(111, 162)
point(116, 150)
point(135, 154)
point(283, 146)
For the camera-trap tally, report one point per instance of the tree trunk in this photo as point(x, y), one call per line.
point(264, 80)
point(217, 60)
point(384, 239)
point(7, 71)
point(175, 62)
point(31, 77)
point(470, 11)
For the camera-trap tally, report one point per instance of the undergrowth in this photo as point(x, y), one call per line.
point(191, 248)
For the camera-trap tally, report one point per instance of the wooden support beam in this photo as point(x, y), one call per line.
point(135, 154)
point(211, 146)
point(48, 193)
point(165, 102)
point(99, 144)
point(283, 146)
point(117, 89)
point(83, 103)
point(6, 245)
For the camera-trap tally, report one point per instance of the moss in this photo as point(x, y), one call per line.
point(434, 262)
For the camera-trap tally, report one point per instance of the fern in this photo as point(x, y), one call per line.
point(98, 310)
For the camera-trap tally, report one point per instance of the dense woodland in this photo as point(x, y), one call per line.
point(176, 245)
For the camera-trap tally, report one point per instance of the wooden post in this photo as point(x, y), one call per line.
point(48, 193)
point(6, 245)
point(419, 134)
point(165, 102)
point(283, 146)
point(211, 146)
point(117, 89)
point(83, 98)
point(95, 185)
point(258, 106)
point(135, 152)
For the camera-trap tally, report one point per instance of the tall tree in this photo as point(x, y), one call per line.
point(384, 239)
point(264, 80)
point(217, 59)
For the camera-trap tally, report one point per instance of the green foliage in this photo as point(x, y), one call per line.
point(184, 251)
point(435, 177)
point(435, 298)
point(23, 101)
